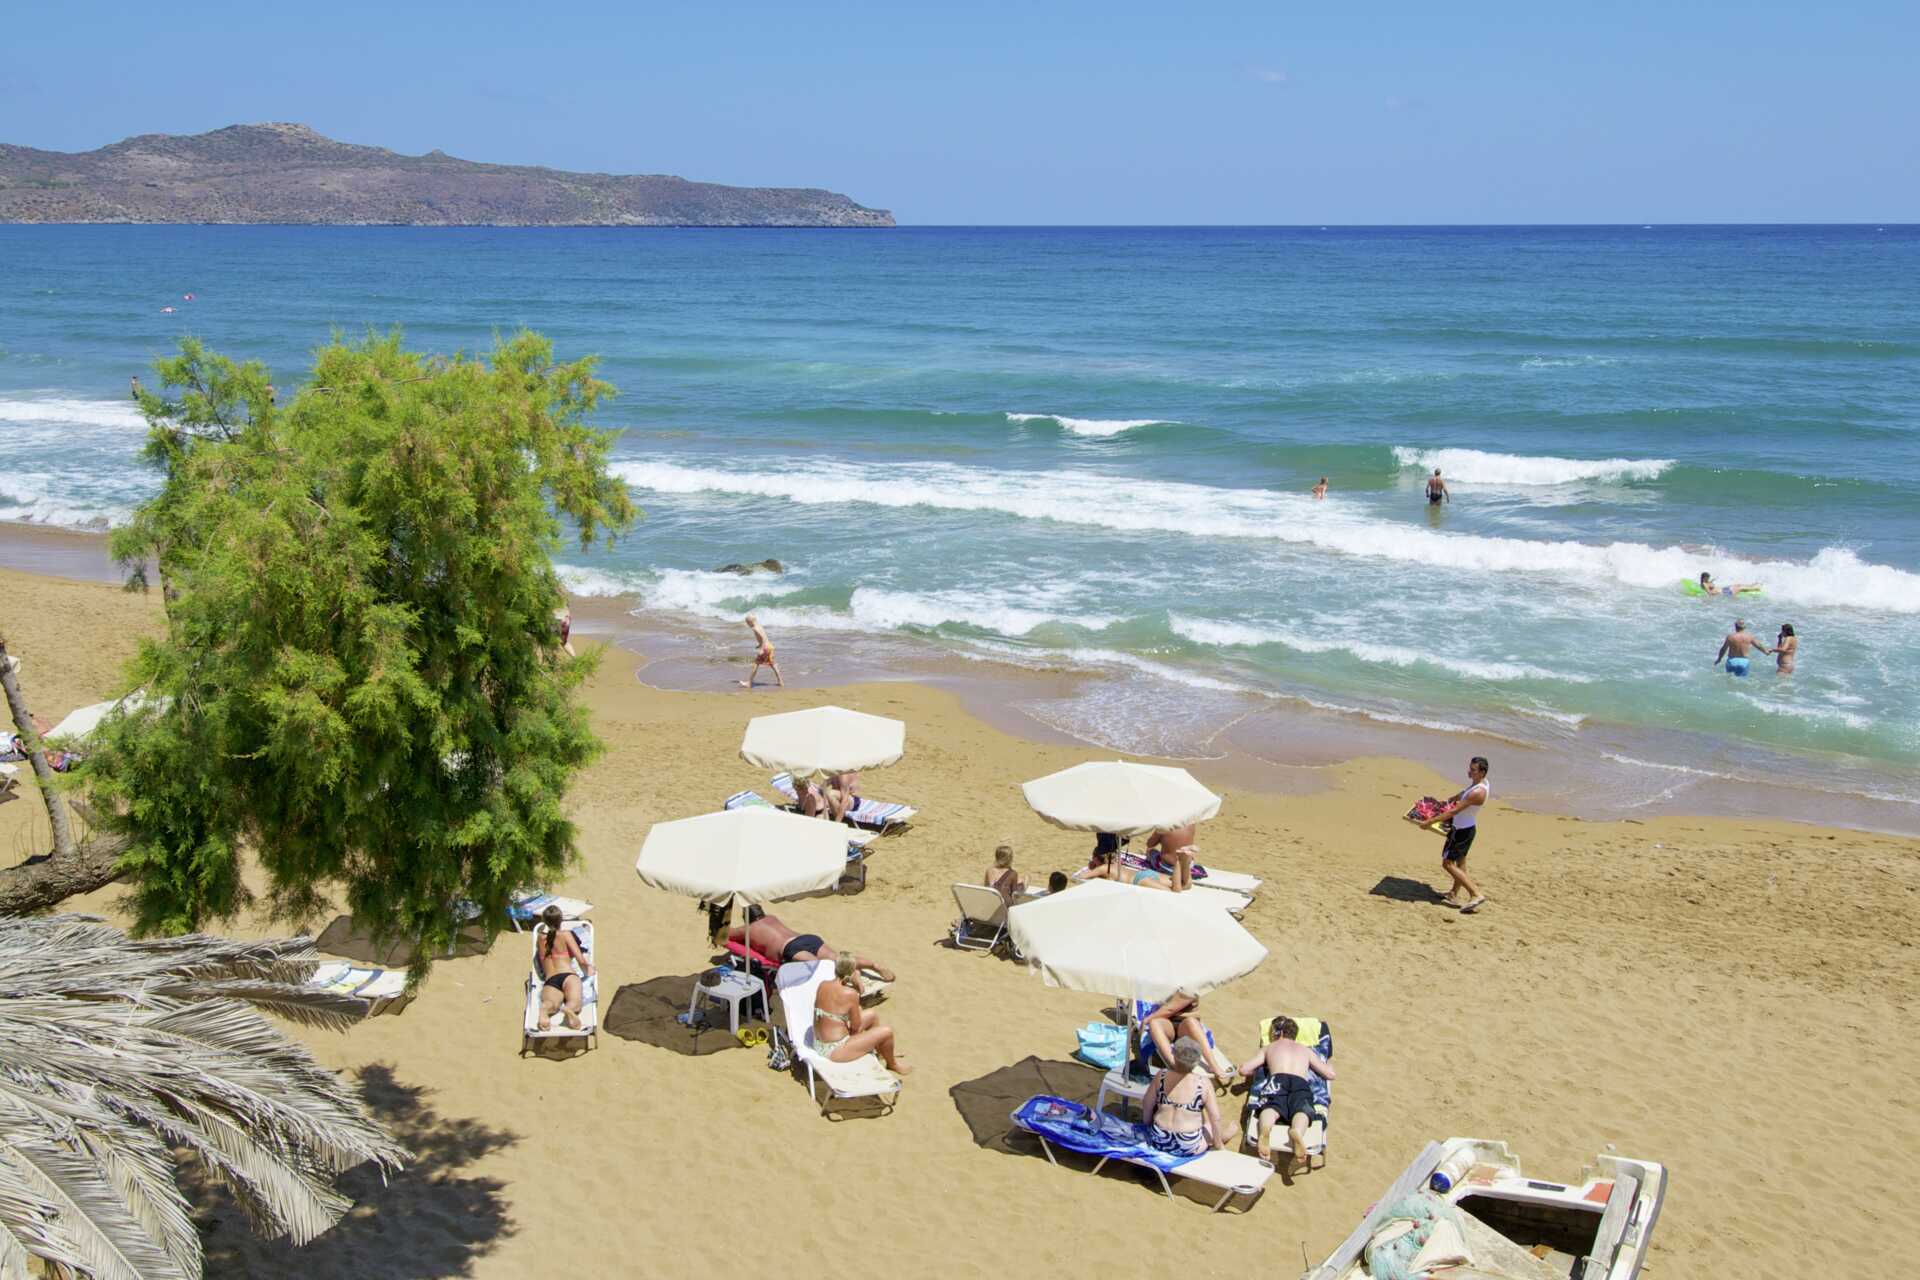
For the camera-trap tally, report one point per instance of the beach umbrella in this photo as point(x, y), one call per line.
point(823, 740)
point(752, 855)
point(84, 721)
point(1137, 944)
point(1121, 798)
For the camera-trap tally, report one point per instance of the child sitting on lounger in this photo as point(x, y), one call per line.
point(1183, 1117)
point(556, 955)
point(842, 1030)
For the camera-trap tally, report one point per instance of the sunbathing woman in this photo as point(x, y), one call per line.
point(810, 799)
point(773, 937)
point(1179, 1016)
point(842, 1030)
point(562, 965)
point(1183, 1117)
point(843, 794)
point(1106, 865)
point(1171, 854)
point(1002, 876)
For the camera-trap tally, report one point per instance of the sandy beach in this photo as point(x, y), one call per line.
point(1727, 997)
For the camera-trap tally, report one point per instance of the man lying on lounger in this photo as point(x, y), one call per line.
point(771, 936)
point(1285, 1093)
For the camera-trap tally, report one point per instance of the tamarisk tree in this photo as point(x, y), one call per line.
point(360, 676)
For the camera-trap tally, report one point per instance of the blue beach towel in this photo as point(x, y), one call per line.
point(1075, 1127)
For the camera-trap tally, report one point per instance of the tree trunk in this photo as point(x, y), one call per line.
point(63, 846)
point(48, 879)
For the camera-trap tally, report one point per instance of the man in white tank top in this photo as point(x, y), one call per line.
point(1463, 808)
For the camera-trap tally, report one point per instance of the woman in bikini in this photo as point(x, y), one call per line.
point(842, 1030)
point(562, 965)
point(1785, 649)
point(1183, 1118)
point(1002, 876)
point(1177, 1018)
point(1105, 864)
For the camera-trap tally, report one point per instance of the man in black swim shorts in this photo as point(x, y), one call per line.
point(1463, 811)
point(771, 936)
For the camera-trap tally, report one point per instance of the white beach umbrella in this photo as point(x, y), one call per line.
point(743, 855)
point(823, 740)
point(1137, 944)
point(1121, 798)
point(84, 721)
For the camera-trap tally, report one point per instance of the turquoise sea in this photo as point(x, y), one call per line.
point(1092, 448)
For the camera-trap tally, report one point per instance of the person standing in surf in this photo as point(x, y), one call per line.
point(1437, 492)
point(1737, 649)
point(1320, 490)
point(1786, 647)
point(1463, 808)
point(762, 656)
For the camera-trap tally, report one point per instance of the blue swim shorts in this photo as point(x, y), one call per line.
point(1736, 666)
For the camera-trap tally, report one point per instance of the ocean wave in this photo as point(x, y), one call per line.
point(581, 581)
point(1096, 427)
point(1832, 715)
point(1669, 768)
point(1231, 634)
point(1835, 576)
point(64, 412)
point(30, 497)
point(1473, 466)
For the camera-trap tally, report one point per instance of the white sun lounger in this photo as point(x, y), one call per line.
point(526, 906)
point(865, 812)
point(983, 912)
point(589, 994)
point(379, 987)
point(857, 841)
point(1236, 904)
point(862, 1078)
point(1230, 881)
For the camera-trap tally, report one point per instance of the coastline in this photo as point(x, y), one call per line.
point(1278, 745)
point(1682, 946)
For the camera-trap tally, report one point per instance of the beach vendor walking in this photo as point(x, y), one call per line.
point(1737, 649)
point(1463, 809)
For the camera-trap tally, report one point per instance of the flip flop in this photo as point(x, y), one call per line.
point(1474, 906)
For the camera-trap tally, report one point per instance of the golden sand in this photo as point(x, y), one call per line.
point(1729, 998)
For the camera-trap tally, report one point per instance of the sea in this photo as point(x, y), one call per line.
point(1090, 451)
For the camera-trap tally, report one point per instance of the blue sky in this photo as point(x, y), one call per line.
point(1063, 112)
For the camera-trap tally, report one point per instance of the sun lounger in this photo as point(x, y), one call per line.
point(1235, 904)
point(1317, 1034)
point(862, 1078)
point(382, 989)
point(857, 841)
point(865, 813)
point(983, 912)
point(1204, 877)
point(589, 994)
point(525, 907)
point(1072, 1126)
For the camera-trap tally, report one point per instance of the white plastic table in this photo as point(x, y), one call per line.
point(734, 989)
point(1124, 1085)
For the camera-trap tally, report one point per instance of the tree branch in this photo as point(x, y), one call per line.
point(47, 879)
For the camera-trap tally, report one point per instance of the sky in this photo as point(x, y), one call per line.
point(1056, 111)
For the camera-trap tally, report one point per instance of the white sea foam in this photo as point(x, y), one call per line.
point(581, 581)
point(1097, 427)
point(1798, 711)
point(1836, 576)
point(1233, 634)
point(1572, 719)
point(1472, 466)
point(65, 412)
point(870, 610)
point(1667, 768)
point(34, 497)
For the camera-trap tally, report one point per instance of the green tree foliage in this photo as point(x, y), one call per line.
point(360, 677)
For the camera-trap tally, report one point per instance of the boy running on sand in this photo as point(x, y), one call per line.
point(763, 656)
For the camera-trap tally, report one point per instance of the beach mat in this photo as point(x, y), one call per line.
point(344, 938)
point(649, 1012)
point(988, 1103)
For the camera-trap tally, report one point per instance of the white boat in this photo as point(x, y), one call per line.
point(1516, 1227)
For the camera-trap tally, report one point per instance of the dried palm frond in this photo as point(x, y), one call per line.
point(116, 1056)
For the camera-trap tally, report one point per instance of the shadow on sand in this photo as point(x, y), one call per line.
point(429, 1222)
point(1401, 889)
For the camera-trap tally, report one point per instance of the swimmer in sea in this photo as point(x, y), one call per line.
point(1437, 491)
point(762, 657)
point(1737, 648)
point(1708, 587)
point(1785, 648)
point(1320, 490)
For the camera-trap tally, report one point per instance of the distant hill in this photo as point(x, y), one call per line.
point(288, 173)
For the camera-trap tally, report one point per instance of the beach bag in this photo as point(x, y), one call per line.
point(1102, 1044)
point(778, 1059)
